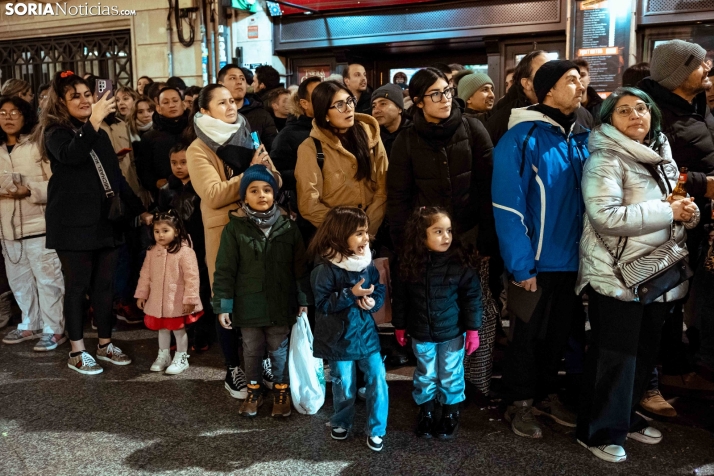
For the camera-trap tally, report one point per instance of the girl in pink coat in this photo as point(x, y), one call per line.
point(168, 290)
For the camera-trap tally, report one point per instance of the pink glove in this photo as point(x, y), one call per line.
point(472, 342)
point(400, 335)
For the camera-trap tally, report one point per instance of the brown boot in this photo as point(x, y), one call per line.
point(249, 407)
point(281, 400)
point(653, 402)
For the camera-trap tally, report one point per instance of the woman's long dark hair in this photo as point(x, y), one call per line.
point(172, 219)
point(414, 254)
point(204, 98)
point(355, 139)
point(29, 116)
point(56, 112)
point(340, 223)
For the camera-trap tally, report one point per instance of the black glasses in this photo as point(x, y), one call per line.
point(341, 106)
point(436, 96)
point(641, 109)
point(14, 114)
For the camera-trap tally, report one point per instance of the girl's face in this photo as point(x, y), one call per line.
point(345, 119)
point(143, 82)
point(11, 120)
point(144, 113)
point(222, 106)
point(164, 234)
point(358, 242)
point(124, 103)
point(435, 104)
point(259, 196)
point(79, 102)
point(438, 235)
point(179, 167)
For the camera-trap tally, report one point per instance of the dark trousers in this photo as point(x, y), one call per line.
point(674, 352)
point(534, 354)
point(88, 272)
point(274, 339)
point(618, 367)
point(231, 345)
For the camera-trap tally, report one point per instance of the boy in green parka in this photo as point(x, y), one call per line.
point(262, 279)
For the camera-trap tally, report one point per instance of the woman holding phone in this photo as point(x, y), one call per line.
point(78, 224)
point(222, 149)
point(33, 271)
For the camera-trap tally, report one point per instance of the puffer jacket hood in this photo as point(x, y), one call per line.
point(622, 199)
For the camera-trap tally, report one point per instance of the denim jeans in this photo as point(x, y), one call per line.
point(255, 340)
point(439, 373)
point(344, 392)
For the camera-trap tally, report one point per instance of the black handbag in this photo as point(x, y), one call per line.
point(116, 207)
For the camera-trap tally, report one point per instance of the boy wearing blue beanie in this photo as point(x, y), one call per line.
point(261, 279)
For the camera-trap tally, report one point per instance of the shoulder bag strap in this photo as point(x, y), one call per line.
point(102, 175)
point(320, 154)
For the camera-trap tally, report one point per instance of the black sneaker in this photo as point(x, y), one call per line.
point(339, 433)
point(449, 423)
point(375, 443)
point(267, 373)
point(425, 420)
point(235, 383)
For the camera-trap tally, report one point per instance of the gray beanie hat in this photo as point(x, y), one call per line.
point(392, 92)
point(471, 83)
point(673, 61)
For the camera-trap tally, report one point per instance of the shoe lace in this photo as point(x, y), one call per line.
point(282, 397)
point(526, 414)
point(238, 377)
point(267, 370)
point(114, 350)
point(88, 360)
point(253, 395)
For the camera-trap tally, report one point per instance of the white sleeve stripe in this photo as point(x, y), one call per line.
point(514, 211)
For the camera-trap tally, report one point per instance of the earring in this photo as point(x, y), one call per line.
point(328, 120)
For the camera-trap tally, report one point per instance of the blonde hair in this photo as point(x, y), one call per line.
point(15, 87)
point(131, 118)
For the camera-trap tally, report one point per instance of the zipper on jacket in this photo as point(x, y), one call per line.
point(428, 293)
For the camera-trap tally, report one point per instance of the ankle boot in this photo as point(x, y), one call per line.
point(425, 420)
point(449, 423)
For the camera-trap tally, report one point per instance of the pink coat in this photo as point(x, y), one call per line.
point(168, 281)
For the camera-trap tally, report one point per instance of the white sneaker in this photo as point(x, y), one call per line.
point(162, 361)
point(179, 364)
point(610, 453)
point(649, 435)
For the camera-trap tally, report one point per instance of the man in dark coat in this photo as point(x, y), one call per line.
point(591, 99)
point(234, 78)
point(388, 109)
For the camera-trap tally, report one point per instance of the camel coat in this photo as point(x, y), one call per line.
point(219, 195)
point(319, 191)
point(120, 137)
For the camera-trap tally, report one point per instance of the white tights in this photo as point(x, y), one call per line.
point(181, 340)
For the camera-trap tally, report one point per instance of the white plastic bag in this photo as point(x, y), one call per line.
point(307, 377)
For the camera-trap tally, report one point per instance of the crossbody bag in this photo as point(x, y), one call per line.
point(117, 209)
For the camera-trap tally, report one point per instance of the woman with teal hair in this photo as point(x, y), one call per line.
point(627, 186)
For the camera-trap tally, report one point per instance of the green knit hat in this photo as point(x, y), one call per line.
point(472, 83)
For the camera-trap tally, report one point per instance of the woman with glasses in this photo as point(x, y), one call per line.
point(343, 162)
point(33, 271)
point(78, 211)
point(629, 174)
point(442, 159)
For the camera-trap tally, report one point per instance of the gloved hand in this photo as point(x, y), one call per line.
point(472, 342)
point(400, 335)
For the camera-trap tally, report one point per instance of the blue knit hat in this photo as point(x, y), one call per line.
point(257, 172)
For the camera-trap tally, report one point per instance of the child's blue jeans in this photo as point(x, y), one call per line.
point(439, 373)
point(344, 393)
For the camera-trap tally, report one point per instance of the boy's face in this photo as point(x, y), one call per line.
point(178, 165)
point(259, 196)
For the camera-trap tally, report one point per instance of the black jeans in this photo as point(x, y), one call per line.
point(231, 345)
point(88, 272)
point(534, 354)
point(274, 339)
point(618, 367)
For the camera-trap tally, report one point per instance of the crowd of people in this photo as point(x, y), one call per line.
point(222, 212)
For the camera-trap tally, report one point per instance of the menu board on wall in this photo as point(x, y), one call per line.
point(319, 71)
point(601, 33)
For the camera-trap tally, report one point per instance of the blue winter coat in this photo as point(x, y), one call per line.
point(537, 201)
point(343, 331)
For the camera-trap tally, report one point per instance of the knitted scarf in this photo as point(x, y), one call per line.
point(263, 220)
point(231, 142)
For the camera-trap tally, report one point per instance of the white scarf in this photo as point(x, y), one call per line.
point(218, 131)
point(355, 263)
point(144, 127)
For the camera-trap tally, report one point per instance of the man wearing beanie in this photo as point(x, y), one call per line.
point(538, 208)
point(677, 84)
point(476, 90)
point(388, 109)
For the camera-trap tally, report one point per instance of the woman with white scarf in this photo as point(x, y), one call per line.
point(221, 151)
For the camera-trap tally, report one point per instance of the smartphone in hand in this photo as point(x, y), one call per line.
point(256, 140)
point(105, 85)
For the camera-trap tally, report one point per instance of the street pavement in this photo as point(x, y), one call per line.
point(127, 421)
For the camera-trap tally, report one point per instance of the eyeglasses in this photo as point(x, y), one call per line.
point(641, 109)
point(14, 114)
point(436, 96)
point(341, 106)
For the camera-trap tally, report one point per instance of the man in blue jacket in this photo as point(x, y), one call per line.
point(538, 209)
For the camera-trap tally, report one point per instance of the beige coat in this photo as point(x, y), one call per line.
point(26, 217)
point(321, 190)
point(119, 135)
point(218, 195)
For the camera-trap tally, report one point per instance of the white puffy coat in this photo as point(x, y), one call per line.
point(622, 199)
